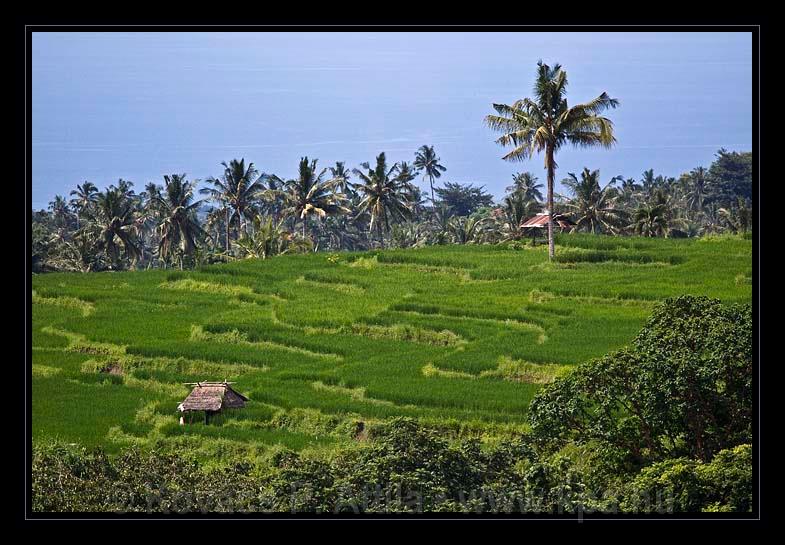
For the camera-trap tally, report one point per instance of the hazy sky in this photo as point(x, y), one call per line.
point(141, 105)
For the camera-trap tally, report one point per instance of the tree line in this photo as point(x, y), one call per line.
point(248, 213)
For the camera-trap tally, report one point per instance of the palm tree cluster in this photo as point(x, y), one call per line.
point(241, 213)
point(247, 213)
point(654, 206)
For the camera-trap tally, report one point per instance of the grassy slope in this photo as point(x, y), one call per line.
point(354, 336)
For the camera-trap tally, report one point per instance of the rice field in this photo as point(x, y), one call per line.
point(457, 336)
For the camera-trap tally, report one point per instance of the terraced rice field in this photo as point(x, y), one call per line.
point(459, 336)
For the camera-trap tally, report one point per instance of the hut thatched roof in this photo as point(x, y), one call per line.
point(212, 396)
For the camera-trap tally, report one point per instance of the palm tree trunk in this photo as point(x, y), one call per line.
point(433, 199)
point(227, 230)
point(551, 175)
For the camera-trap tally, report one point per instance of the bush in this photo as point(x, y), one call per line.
point(684, 388)
point(688, 486)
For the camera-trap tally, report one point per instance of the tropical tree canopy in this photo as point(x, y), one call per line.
point(463, 199)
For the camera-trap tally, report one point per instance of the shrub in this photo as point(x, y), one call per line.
point(688, 486)
point(683, 388)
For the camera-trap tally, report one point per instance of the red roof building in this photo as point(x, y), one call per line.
point(540, 221)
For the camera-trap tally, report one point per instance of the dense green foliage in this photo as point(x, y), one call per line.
point(682, 388)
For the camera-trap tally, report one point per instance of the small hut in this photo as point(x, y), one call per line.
point(540, 221)
point(210, 398)
point(538, 224)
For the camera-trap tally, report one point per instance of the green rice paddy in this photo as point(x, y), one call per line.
point(458, 336)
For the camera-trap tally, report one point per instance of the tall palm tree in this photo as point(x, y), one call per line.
point(738, 217)
point(309, 195)
point(237, 193)
point(516, 209)
point(148, 219)
point(593, 208)
point(84, 196)
point(125, 190)
point(546, 123)
point(405, 174)
point(341, 175)
point(115, 222)
point(385, 195)
point(628, 191)
point(60, 212)
point(696, 189)
point(273, 197)
point(525, 184)
point(427, 161)
point(179, 227)
point(151, 190)
point(648, 181)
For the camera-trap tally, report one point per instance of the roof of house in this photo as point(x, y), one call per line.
point(212, 396)
point(541, 220)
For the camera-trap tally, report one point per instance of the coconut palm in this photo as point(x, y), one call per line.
point(84, 196)
point(427, 161)
point(151, 190)
point(648, 181)
point(148, 220)
point(115, 223)
point(650, 220)
point(269, 238)
point(309, 195)
point(60, 212)
point(525, 184)
point(273, 197)
point(738, 217)
point(341, 175)
point(696, 189)
point(179, 228)
point(546, 123)
point(593, 208)
point(629, 191)
point(78, 254)
point(714, 220)
point(385, 195)
point(237, 194)
point(516, 209)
